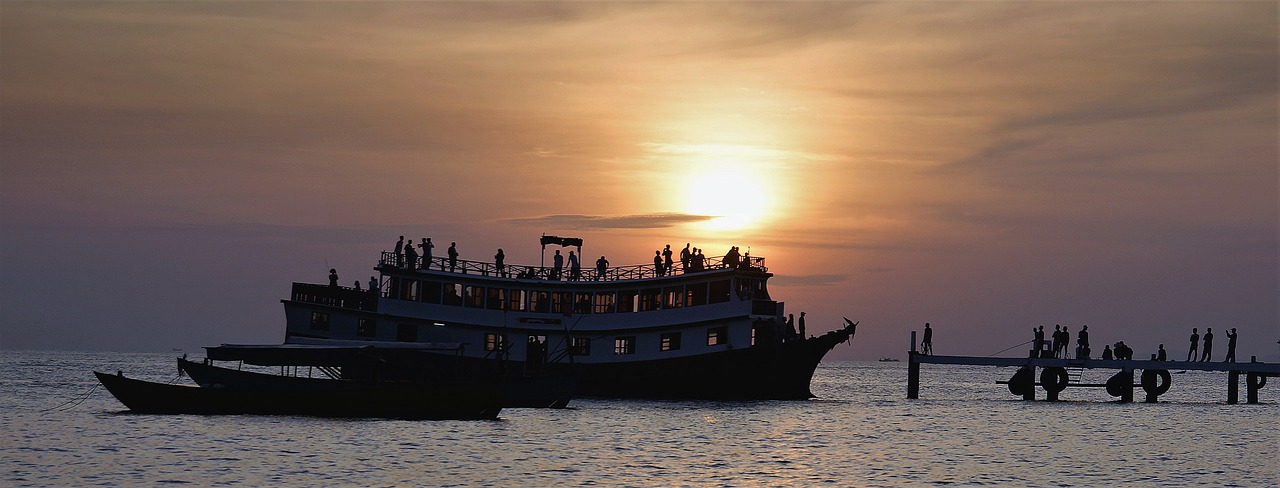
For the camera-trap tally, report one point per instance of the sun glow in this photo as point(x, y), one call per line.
point(731, 184)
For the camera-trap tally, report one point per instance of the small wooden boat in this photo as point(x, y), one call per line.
point(888, 360)
point(323, 398)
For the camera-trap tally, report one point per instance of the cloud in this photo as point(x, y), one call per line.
point(587, 222)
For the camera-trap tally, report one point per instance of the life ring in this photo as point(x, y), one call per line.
point(1054, 379)
point(1120, 384)
point(1022, 382)
point(1256, 381)
point(1149, 381)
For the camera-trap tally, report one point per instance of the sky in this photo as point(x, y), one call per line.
point(168, 169)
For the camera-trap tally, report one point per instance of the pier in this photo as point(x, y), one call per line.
point(1054, 375)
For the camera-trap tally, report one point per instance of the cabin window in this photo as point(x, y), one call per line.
point(603, 303)
point(409, 290)
point(672, 297)
point(562, 302)
point(695, 294)
point(475, 296)
point(624, 345)
point(541, 302)
point(431, 291)
point(367, 328)
point(497, 299)
point(746, 288)
point(453, 294)
point(582, 303)
point(319, 321)
point(669, 341)
point(495, 342)
point(627, 301)
point(717, 336)
point(719, 292)
point(406, 333)
point(580, 346)
point(650, 299)
point(515, 302)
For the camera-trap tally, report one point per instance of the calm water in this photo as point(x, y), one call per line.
point(964, 430)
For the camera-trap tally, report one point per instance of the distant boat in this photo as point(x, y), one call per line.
point(888, 360)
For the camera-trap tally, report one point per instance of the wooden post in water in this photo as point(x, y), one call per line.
point(913, 371)
point(1233, 387)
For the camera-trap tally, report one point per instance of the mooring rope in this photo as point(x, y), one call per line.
point(1011, 347)
point(77, 400)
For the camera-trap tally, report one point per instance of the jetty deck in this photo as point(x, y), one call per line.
point(1054, 377)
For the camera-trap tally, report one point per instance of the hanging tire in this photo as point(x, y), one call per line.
point(1022, 382)
point(1120, 384)
point(1156, 381)
point(1256, 381)
point(1054, 379)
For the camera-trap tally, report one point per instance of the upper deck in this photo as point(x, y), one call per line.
point(392, 263)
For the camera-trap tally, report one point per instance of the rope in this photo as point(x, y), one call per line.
point(1011, 347)
point(77, 401)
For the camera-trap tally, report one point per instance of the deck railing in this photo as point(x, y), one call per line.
point(338, 296)
point(547, 273)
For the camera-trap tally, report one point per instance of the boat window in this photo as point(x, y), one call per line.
point(719, 292)
point(536, 349)
point(580, 346)
point(762, 289)
point(670, 341)
point(695, 294)
point(650, 299)
point(541, 302)
point(672, 297)
point(627, 301)
point(497, 299)
point(746, 288)
point(453, 294)
point(367, 328)
point(495, 342)
point(717, 336)
point(409, 290)
point(431, 291)
point(624, 345)
point(406, 333)
point(603, 303)
point(561, 302)
point(475, 296)
point(516, 300)
point(582, 303)
point(319, 321)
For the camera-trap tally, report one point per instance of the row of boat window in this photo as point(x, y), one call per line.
point(578, 346)
point(622, 301)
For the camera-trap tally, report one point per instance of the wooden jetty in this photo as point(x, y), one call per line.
point(1054, 376)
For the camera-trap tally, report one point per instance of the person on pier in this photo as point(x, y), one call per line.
point(1195, 344)
point(1160, 355)
point(926, 345)
point(1106, 353)
point(1056, 339)
point(1231, 346)
point(1208, 344)
point(1082, 343)
point(1039, 340)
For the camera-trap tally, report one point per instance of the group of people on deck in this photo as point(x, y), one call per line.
point(693, 260)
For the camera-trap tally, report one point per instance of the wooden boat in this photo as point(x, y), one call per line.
point(324, 398)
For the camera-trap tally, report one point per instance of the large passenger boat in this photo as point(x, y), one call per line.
point(706, 328)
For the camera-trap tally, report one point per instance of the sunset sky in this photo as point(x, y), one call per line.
point(169, 168)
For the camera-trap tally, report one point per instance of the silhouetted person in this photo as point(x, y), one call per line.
point(602, 265)
point(1208, 344)
point(1160, 355)
point(800, 324)
point(1066, 340)
point(685, 256)
point(498, 262)
point(1082, 343)
point(373, 284)
point(426, 247)
point(399, 252)
point(657, 262)
point(1106, 353)
point(333, 278)
point(1195, 345)
point(575, 268)
point(701, 260)
point(666, 258)
point(791, 325)
point(557, 264)
point(357, 286)
point(1039, 340)
point(926, 345)
point(453, 256)
point(1231, 346)
point(1056, 339)
point(410, 257)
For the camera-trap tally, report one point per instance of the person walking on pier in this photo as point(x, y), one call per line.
point(926, 345)
point(1208, 344)
point(1195, 345)
point(1231, 346)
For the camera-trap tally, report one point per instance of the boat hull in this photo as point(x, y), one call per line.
point(336, 399)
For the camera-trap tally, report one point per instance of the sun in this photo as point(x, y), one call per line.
point(733, 200)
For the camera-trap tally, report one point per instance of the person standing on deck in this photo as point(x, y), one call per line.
point(1195, 345)
point(1056, 339)
point(602, 265)
point(426, 247)
point(1208, 344)
point(666, 259)
point(399, 252)
point(453, 256)
point(685, 256)
point(926, 345)
point(800, 324)
point(557, 264)
point(373, 284)
point(1082, 343)
point(1160, 355)
point(575, 268)
point(410, 257)
point(791, 325)
point(333, 278)
point(499, 264)
point(657, 262)
point(1231, 346)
